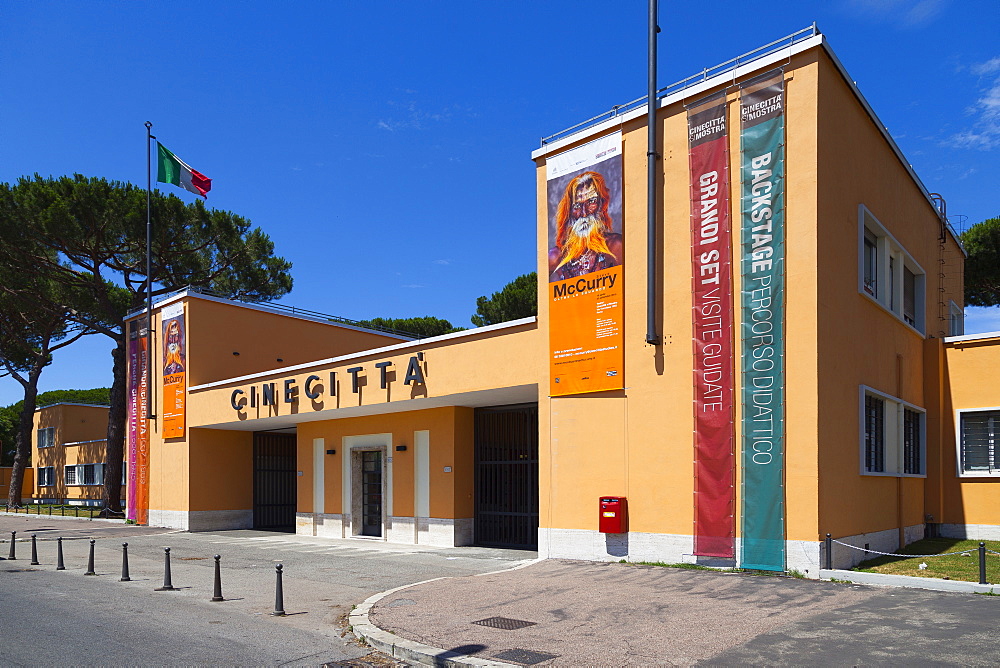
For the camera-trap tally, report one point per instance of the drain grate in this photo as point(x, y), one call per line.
point(505, 623)
point(527, 657)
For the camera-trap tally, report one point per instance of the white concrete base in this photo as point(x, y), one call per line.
point(879, 541)
point(430, 531)
point(970, 531)
point(635, 546)
point(201, 520)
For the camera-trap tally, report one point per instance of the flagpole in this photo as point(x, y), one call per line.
point(149, 278)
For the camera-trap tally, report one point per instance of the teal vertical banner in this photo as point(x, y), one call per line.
point(762, 105)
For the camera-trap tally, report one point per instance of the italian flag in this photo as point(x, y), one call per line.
point(171, 169)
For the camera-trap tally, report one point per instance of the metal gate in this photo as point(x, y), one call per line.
point(506, 495)
point(274, 478)
point(371, 493)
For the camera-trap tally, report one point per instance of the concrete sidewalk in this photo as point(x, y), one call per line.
point(562, 612)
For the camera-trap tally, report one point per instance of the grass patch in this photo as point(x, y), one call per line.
point(59, 510)
point(662, 564)
point(952, 567)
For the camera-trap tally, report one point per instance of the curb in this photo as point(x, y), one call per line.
point(933, 584)
point(411, 650)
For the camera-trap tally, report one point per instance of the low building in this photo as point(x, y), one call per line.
point(68, 454)
point(776, 355)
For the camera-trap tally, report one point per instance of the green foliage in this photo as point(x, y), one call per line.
point(517, 299)
point(422, 327)
point(796, 573)
point(982, 267)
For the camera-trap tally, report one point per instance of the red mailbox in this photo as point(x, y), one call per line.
point(614, 514)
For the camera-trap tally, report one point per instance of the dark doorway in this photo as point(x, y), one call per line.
point(507, 477)
point(371, 493)
point(274, 479)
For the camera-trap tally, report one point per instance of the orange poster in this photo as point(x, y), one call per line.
point(586, 268)
point(174, 370)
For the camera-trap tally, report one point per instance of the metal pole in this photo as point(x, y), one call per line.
point(150, 415)
point(34, 551)
point(279, 596)
point(13, 535)
point(125, 576)
point(60, 566)
point(982, 563)
point(829, 552)
point(167, 584)
point(652, 337)
point(217, 593)
point(90, 560)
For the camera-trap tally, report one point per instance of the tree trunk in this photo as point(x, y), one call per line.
point(116, 430)
point(23, 439)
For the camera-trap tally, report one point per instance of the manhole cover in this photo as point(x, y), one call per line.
point(527, 657)
point(505, 623)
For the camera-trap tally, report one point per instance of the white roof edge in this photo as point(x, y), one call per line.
point(972, 337)
point(694, 91)
point(72, 403)
point(261, 307)
point(731, 76)
point(368, 353)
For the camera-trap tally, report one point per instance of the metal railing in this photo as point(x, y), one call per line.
point(707, 73)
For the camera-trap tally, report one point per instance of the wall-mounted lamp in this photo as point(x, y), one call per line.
point(331, 452)
point(235, 354)
point(280, 360)
point(400, 448)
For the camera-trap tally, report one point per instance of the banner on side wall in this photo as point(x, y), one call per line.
point(762, 114)
point(174, 370)
point(586, 268)
point(138, 425)
point(132, 422)
point(712, 321)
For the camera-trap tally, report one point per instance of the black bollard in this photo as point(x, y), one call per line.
point(982, 563)
point(125, 577)
point(60, 566)
point(13, 535)
point(167, 585)
point(34, 551)
point(279, 597)
point(90, 559)
point(829, 552)
point(217, 593)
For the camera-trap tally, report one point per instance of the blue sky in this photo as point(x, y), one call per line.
point(384, 146)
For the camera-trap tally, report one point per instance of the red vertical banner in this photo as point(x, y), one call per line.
point(133, 418)
point(712, 320)
point(174, 370)
point(141, 500)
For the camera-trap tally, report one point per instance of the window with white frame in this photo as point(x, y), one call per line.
point(888, 274)
point(893, 439)
point(46, 437)
point(46, 476)
point(956, 319)
point(85, 474)
point(978, 430)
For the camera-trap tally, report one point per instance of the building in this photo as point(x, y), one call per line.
point(68, 452)
point(789, 365)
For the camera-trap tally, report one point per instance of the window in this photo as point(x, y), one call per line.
point(889, 275)
point(956, 319)
point(46, 437)
point(892, 435)
point(977, 442)
point(85, 474)
point(46, 476)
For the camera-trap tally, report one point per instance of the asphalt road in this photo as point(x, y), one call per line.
point(54, 617)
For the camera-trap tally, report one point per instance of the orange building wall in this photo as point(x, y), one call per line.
point(216, 330)
point(27, 483)
point(451, 445)
point(641, 444)
point(971, 369)
point(85, 429)
point(859, 341)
